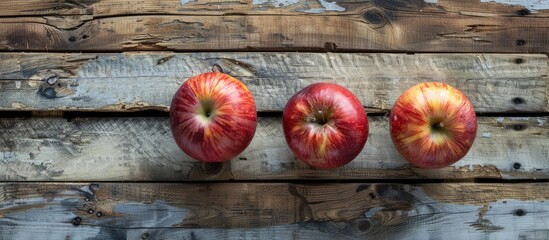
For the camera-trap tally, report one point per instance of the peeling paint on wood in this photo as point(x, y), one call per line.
point(532, 5)
point(275, 3)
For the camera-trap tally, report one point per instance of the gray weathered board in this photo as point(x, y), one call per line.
point(143, 149)
point(140, 81)
point(390, 25)
point(110, 211)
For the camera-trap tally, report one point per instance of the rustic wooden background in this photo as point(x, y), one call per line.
point(86, 151)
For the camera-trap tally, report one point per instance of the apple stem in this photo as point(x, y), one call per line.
point(323, 118)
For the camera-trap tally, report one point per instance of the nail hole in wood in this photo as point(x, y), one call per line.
point(145, 236)
point(521, 42)
point(520, 212)
point(76, 221)
point(91, 211)
point(99, 214)
point(518, 100)
point(72, 39)
point(523, 12)
point(516, 166)
point(519, 127)
point(212, 168)
point(519, 60)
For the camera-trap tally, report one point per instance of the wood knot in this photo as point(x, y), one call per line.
point(51, 88)
point(375, 18)
point(47, 92)
point(363, 225)
point(521, 42)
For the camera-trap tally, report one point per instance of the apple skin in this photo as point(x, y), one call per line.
point(213, 117)
point(433, 125)
point(325, 125)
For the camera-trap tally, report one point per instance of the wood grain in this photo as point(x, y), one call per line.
point(141, 81)
point(274, 211)
point(142, 149)
point(410, 26)
point(104, 8)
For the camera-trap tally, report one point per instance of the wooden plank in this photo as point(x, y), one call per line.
point(140, 81)
point(104, 8)
point(142, 149)
point(410, 26)
point(404, 30)
point(274, 211)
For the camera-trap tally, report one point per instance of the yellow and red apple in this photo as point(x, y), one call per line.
point(433, 125)
point(213, 117)
point(325, 125)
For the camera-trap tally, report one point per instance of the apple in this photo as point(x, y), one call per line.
point(213, 117)
point(325, 125)
point(433, 125)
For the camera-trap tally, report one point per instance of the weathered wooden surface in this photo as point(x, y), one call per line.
point(104, 8)
point(274, 211)
point(139, 81)
point(411, 26)
point(142, 149)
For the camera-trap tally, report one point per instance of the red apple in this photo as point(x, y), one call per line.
point(213, 117)
point(325, 125)
point(433, 125)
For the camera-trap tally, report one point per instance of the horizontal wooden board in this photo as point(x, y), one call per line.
point(105, 8)
point(143, 149)
point(140, 81)
point(410, 26)
point(273, 211)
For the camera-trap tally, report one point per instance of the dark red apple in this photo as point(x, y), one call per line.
point(433, 125)
point(213, 117)
point(325, 125)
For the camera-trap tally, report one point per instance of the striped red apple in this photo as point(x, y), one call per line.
point(433, 125)
point(213, 117)
point(325, 125)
